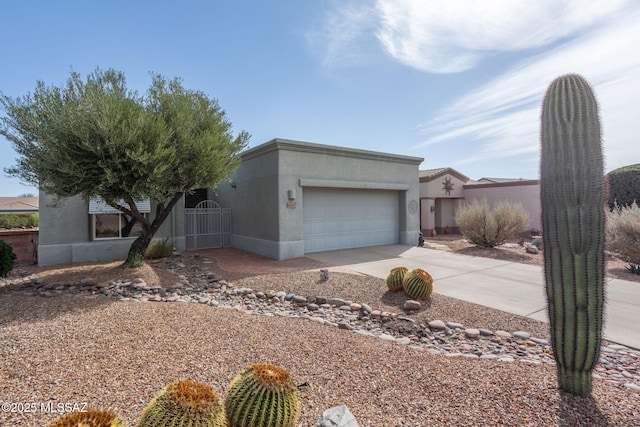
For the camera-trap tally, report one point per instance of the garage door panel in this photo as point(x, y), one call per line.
point(340, 219)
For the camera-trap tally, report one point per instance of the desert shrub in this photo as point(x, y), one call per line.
point(158, 248)
point(135, 261)
point(491, 227)
point(537, 242)
point(623, 234)
point(19, 220)
point(7, 258)
point(624, 186)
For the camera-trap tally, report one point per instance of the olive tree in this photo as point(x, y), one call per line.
point(96, 138)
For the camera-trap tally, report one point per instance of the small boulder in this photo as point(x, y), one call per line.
point(437, 325)
point(412, 305)
point(338, 416)
point(472, 333)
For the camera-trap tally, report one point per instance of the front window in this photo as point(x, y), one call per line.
point(109, 223)
point(115, 226)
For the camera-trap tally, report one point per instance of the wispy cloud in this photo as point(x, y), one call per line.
point(344, 35)
point(503, 116)
point(444, 36)
point(500, 120)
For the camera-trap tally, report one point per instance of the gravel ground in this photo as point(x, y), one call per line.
point(373, 291)
point(118, 354)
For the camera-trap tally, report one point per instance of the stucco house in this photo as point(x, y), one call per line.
point(286, 199)
point(23, 242)
point(443, 190)
point(18, 205)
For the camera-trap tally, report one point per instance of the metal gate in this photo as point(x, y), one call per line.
point(208, 225)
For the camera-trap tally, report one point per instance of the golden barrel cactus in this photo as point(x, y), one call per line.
point(395, 277)
point(262, 396)
point(184, 403)
point(90, 418)
point(418, 284)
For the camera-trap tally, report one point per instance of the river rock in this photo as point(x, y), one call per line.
point(338, 416)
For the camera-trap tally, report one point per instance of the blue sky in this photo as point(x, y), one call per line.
point(459, 83)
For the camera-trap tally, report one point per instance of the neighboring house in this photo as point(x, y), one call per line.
point(441, 193)
point(443, 190)
point(286, 199)
point(23, 242)
point(523, 191)
point(15, 205)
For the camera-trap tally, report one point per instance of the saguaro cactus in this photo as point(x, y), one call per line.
point(572, 189)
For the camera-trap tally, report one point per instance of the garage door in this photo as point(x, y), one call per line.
point(342, 219)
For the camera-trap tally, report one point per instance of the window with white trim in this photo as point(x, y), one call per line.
point(110, 223)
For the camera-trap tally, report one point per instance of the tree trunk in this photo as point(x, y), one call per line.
point(138, 249)
point(128, 226)
point(140, 245)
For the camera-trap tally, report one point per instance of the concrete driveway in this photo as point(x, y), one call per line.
point(507, 286)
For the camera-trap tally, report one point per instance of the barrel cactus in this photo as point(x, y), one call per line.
point(418, 284)
point(395, 277)
point(262, 396)
point(90, 418)
point(184, 403)
point(572, 189)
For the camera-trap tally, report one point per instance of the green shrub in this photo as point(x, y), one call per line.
point(158, 248)
point(7, 258)
point(624, 186)
point(537, 242)
point(491, 227)
point(19, 220)
point(623, 234)
point(135, 262)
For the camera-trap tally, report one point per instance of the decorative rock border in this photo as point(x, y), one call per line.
point(618, 365)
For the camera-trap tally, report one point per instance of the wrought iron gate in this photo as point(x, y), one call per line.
point(208, 225)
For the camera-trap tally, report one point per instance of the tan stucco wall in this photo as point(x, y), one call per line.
point(434, 188)
point(528, 194)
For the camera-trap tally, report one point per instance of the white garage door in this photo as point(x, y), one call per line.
point(342, 219)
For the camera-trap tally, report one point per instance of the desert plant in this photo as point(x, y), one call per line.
point(395, 277)
point(624, 186)
point(623, 234)
point(158, 248)
point(484, 226)
point(418, 284)
point(90, 418)
point(262, 395)
point(7, 258)
point(184, 403)
point(537, 242)
point(572, 189)
point(19, 220)
point(135, 261)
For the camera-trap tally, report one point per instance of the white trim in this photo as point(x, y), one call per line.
point(358, 185)
point(98, 206)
